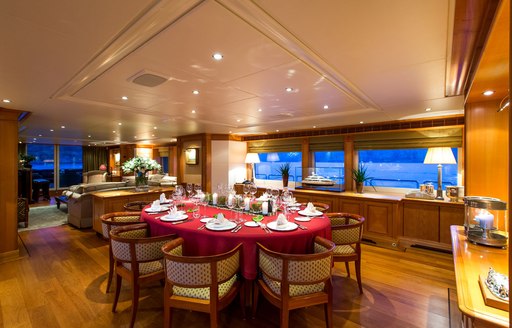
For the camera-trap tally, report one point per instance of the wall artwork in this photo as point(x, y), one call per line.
point(191, 155)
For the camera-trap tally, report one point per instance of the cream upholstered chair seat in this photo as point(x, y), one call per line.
point(347, 233)
point(95, 176)
point(200, 283)
point(137, 258)
point(291, 281)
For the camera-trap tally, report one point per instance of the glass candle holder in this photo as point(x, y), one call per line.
point(485, 221)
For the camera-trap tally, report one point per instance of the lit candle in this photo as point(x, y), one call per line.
point(230, 199)
point(247, 202)
point(264, 208)
point(214, 198)
point(485, 219)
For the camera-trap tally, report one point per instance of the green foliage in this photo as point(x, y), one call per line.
point(284, 169)
point(27, 158)
point(360, 175)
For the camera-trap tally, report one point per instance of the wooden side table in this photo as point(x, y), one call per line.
point(470, 261)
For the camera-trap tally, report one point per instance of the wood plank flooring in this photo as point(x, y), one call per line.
point(62, 284)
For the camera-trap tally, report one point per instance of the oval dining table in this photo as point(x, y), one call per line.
point(202, 242)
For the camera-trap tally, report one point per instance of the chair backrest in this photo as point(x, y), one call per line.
point(133, 244)
point(298, 269)
point(199, 271)
point(95, 176)
point(136, 206)
point(346, 228)
point(114, 219)
point(23, 210)
point(322, 207)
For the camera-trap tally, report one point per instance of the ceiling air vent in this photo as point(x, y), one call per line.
point(148, 79)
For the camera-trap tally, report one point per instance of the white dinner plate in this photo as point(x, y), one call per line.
point(251, 224)
point(206, 220)
point(302, 219)
point(161, 209)
point(287, 227)
point(316, 213)
point(179, 217)
point(220, 227)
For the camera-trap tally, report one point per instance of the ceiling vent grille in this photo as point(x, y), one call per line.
point(148, 79)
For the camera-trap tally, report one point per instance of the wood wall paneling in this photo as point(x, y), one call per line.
point(487, 159)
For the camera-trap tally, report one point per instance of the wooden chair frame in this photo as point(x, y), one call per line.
point(214, 304)
point(322, 207)
point(108, 221)
point(355, 245)
point(284, 301)
point(135, 206)
point(133, 275)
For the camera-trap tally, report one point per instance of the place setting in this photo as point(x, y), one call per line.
point(310, 211)
point(174, 215)
point(156, 207)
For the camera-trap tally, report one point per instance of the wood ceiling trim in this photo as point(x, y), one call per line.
point(472, 23)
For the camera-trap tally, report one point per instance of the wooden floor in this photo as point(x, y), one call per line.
point(61, 283)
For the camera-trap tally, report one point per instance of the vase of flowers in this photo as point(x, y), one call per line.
point(141, 166)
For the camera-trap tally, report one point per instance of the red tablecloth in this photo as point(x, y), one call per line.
point(206, 242)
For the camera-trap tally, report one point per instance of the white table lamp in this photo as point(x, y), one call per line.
point(252, 158)
point(439, 155)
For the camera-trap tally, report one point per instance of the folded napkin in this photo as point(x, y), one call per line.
point(155, 206)
point(173, 212)
point(220, 219)
point(281, 220)
point(310, 208)
point(162, 198)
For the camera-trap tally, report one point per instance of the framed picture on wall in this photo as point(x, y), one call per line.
point(191, 155)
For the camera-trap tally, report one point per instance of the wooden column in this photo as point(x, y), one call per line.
point(350, 160)
point(8, 184)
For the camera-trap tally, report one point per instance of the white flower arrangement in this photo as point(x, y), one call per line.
point(140, 165)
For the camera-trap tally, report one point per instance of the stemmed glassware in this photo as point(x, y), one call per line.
point(230, 202)
point(190, 189)
point(246, 189)
point(253, 190)
point(239, 204)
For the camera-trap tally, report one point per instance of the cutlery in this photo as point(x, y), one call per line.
point(302, 227)
point(238, 227)
point(201, 227)
point(180, 222)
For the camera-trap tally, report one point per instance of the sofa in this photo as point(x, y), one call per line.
point(153, 180)
point(79, 200)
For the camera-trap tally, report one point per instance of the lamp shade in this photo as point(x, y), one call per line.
point(440, 155)
point(252, 158)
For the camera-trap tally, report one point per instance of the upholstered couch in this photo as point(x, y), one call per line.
point(79, 200)
point(95, 176)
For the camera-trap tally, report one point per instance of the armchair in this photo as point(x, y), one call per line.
point(95, 176)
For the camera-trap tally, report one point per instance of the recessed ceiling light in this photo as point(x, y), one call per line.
point(135, 137)
point(238, 120)
point(193, 111)
point(217, 56)
point(62, 127)
point(89, 136)
point(428, 109)
point(40, 135)
point(51, 130)
point(229, 132)
point(196, 92)
point(152, 135)
point(361, 122)
point(114, 131)
point(6, 101)
point(119, 123)
point(488, 92)
point(326, 107)
point(259, 109)
point(314, 126)
point(289, 89)
point(124, 98)
point(154, 128)
point(277, 130)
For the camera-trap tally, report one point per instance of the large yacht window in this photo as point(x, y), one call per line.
point(70, 165)
point(43, 165)
point(267, 169)
point(404, 168)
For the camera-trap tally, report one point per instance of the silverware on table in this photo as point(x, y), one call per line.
point(238, 227)
point(201, 227)
point(180, 222)
point(302, 227)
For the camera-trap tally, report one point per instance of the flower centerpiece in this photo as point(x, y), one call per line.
point(141, 167)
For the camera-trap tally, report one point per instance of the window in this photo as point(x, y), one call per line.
point(70, 165)
point(267, 169)
point(404, 168)
point(43, 165)
point(330, 164)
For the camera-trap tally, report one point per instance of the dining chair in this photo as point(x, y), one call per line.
point(109, 221)
point(322, 207)
point(291, 281)
point(135, 206)
point(137, 258)
point(23, 210)
point(347, 233)
point(200, 283)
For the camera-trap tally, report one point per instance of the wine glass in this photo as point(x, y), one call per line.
point(190, 189)
point(239, 205)
point(230, 203)
point(246, 189)
point(253, 190)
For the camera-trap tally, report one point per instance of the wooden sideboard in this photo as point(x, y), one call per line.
point(391, 221)
point(470, 261)
point(114, 200)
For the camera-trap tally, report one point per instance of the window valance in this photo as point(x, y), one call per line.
point(275, 145)
point(326, 143)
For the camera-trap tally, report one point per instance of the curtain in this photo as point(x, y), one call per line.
point(93, 157)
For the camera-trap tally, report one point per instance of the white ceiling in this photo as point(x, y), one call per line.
point(70, 62)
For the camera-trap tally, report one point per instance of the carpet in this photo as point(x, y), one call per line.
point(44, 217)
